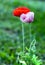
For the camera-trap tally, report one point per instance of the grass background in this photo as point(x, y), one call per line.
point(11, 30)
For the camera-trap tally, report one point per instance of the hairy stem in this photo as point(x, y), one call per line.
point(23, 36)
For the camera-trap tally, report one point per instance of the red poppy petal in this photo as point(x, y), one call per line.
point(18, 11)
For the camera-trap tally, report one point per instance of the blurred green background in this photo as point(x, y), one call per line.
point(11, 29)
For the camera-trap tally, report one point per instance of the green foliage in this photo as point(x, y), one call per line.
point(29, 57)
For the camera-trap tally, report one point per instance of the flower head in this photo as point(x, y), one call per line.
point(24, 14)
point(29, 17)
point(20, 10)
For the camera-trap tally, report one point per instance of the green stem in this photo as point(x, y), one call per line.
point(30, 34)
point(23, 36)
point(32, 41)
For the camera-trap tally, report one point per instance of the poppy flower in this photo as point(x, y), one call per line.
point(20, 10)
point(24, 13)
point(29, 17)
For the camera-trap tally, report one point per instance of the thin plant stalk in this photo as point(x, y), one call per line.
point(32, 41)
point(23, 37)
point(30, 34)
